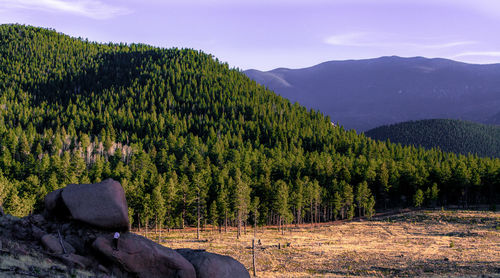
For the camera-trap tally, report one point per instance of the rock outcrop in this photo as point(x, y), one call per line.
point(208, 265)
point(77, 228)
point(51, 244)
point(54, 204)
point(101, 204)
point(144, 257)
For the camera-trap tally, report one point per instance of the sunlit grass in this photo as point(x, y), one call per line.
point(406, 244)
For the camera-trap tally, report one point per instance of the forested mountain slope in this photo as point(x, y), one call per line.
point(182, 131)
point(364, 94)
point(448, 135)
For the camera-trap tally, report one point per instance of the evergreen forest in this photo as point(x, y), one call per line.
point(449, 135)
point(195, 142)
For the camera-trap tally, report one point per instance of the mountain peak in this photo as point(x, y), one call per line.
point(363, 94)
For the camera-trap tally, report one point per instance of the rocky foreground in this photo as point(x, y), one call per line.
point(77, 228)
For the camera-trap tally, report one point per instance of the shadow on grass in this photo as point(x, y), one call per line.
point(442, 267)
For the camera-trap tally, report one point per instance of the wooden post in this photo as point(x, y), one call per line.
point(253, 258)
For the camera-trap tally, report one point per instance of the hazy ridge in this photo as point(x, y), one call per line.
point(363, 94)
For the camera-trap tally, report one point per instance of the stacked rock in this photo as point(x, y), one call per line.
point(77, 227)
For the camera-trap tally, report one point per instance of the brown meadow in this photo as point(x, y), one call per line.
point(423, 243)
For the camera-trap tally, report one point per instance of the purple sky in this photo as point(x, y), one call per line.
point(265, 34)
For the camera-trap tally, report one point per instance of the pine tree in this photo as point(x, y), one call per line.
point(313, 196)
point(434, 193)
point(348, 198)
point(383, 180)
point(363, 195)
point(337, 204)
point(213, 214)
point(148, 212)
point(255, 212)
point(370, 207)
point(223, 204)
point(298, 199)
point(158, 205)
point(4, 188)
point(19, 205)
point(170, 194)
point(183, 195)
point(201, 190)
point(418, 198)
point(281, 204)
point(241, 199)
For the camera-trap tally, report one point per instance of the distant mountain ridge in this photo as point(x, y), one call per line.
point(449, 135)
point(363, 94)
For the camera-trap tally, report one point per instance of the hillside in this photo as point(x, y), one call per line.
point(448, 135)
point(364, 94)
point(193, 141)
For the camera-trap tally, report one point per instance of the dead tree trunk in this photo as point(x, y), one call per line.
point(311, 214)
point(225, 222)
point(253, 258)
point(198, 217)
point(238, 234)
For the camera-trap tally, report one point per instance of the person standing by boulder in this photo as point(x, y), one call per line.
point(115, 240)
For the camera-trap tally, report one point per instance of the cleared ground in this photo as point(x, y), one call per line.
point(424, 243)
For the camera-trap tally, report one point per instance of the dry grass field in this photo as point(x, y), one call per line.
point(424, 243)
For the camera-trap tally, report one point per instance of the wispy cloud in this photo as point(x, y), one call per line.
point(446, 45)
point(88, 8)
point(388, 40)
point(349, 39)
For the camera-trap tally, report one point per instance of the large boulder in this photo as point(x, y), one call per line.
point(100, 204)
point(53, 245)
point(209, 265)
point(143, 257)
point(53, 202)
point(99, 210)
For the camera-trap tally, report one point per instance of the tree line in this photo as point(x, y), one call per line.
point(449, 135)
point(194, 142)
